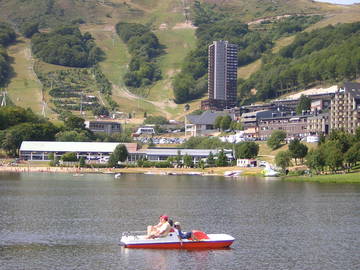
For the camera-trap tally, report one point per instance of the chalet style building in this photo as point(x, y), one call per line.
point(203, 124)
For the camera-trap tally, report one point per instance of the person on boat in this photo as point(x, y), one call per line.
point(162, 229)
point(183, 235)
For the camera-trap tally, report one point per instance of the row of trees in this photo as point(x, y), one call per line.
point(242, 149)
point(339, 151)
point(66, 46)
point(329, 54)
point(144, 48)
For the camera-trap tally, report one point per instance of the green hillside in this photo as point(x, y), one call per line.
point(168, 20)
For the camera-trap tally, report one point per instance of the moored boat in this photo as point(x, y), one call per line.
point(171, 241)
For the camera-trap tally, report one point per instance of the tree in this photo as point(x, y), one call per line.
point(283, 159)
point(70, 157)
point(72, 136)
point(210, 160)
point(246, 150)
point(15, 135)
point(226, 122)
point(276, 139)
point(188, 161)
point(74, 122)
point(333, 155)
point(82, 162)
point(120, 154)
point(297, 149)
point(221, 159)
point(315, 160)
point(217, 123)
point(352, 156)
point(342, 139)
point(304, 104)
point(201, 164)
point(29, 29)
point(100, 111)
point(236, 125)
point(178, 159)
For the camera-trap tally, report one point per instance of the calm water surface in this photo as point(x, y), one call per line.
point(52, 221)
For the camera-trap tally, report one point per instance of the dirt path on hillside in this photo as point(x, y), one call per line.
point(124, 92)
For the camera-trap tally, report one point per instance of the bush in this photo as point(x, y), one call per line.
point(70, 156)
point(157, 164)
point(156, 120)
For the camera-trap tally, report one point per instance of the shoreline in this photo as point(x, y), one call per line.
point(216, 171)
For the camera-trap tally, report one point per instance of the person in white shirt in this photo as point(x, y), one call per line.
point(162, 229)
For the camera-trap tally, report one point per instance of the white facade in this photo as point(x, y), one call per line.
point(40, 150)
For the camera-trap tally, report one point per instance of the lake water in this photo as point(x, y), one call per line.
point(50, 221)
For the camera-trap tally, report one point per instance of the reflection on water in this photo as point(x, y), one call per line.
point(50, 221)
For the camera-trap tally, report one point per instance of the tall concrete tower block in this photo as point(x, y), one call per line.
point(222, 75)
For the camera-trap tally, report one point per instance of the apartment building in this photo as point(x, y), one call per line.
point(318, 124)
point(294, 125)
point(345, 108)
point(222, 76)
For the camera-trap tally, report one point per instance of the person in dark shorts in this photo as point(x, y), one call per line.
point(183, 235)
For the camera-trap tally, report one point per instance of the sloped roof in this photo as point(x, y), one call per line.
point(49, 146)
point(207, 117)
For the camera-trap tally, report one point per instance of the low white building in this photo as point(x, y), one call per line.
point(162, 154)
point(246, 162)
point(100, 151)
point(96, 151)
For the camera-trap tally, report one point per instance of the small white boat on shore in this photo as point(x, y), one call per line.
point(232, 173)
point(269, 171)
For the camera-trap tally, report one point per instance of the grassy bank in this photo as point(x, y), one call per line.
point(334, 178)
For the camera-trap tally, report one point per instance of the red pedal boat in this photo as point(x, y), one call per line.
point(171, 241)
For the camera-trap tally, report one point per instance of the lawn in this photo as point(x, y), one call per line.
point(334, 178)
point(245, 72)
point(24, 89)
